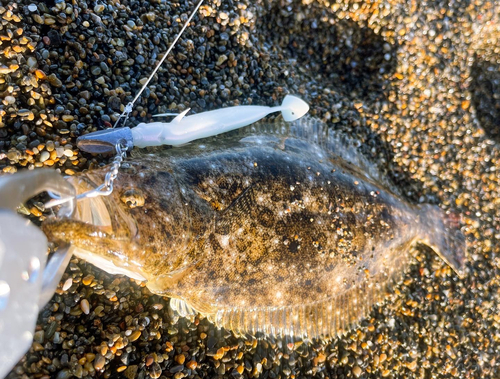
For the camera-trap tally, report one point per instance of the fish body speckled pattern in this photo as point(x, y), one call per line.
point(271, 231)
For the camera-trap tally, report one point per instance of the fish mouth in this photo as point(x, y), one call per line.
point(99, 224)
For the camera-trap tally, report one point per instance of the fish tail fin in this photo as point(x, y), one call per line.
point(445, 237)
point(292, 108)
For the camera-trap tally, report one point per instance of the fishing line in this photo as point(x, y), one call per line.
point(129, 107)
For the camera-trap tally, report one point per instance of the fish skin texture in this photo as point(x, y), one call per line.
point(272, 233)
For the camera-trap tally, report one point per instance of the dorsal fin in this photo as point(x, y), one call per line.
point(315, 131)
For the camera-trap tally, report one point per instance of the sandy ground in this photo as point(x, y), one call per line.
point(416, 82)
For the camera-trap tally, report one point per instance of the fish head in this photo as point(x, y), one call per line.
point(99, 232)
point(141, 229)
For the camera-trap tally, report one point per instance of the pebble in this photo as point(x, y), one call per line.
point(134, 336)
point(99, 362)
point(356, 371)
point(85, 306)
point(67, 284)
point(44, 155)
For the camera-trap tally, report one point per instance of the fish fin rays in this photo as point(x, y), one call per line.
point(444, 236)
point(329, 318)
point(317, 132)
point(182, 308)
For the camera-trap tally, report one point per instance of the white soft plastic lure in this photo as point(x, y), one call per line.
point(183, 129)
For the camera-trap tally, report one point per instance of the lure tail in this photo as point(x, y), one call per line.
point(292, 108)
point(445, 237)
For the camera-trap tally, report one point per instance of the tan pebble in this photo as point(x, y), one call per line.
point(180, 359)
point(240, 369)
point(37, 346)
point(104, 349)
point(90, 357)
point(191, 365)
point(321, 357)
point(219, 354)
point(412, 365)
point(168, 347)
point(40, 74)
point(121, 368)
point(383, 358)
point(134, 336)
point(120, 344)
point(38, 19)
point(98, 310)
point(155, 371)
point(88, 279)
point(386, 373)
point(357, 371)
point(85, 306)
point(99, 362)
point(68, 118)
point(203, 336)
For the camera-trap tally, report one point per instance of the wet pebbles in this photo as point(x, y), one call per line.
point(416, 82)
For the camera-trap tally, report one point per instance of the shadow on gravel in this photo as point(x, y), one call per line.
point(351, 57)
point(485, 90)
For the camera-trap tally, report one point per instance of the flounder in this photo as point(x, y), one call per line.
point(267, 232)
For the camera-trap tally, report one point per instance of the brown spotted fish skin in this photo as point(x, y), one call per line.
point(271, 233)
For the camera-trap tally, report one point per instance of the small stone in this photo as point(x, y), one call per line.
point(99, 8)
point(95, 70)
point(39, 336)
point(85, 306)
point(54, 80)
point(32, 7)
point(40, 74)
point(155, 371)
point(134, 336)
point(180, 359)
point(37, 346)
point(192, 365)
point(44, 155)
point(357, 371)
point(31, 62)
point(67, 284)
point(88, 280)
point(99, 362)
point(221, 60)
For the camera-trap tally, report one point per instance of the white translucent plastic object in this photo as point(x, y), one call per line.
point(184, 129)
point(23, 253)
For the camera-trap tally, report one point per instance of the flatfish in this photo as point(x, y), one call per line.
point(266, 230)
